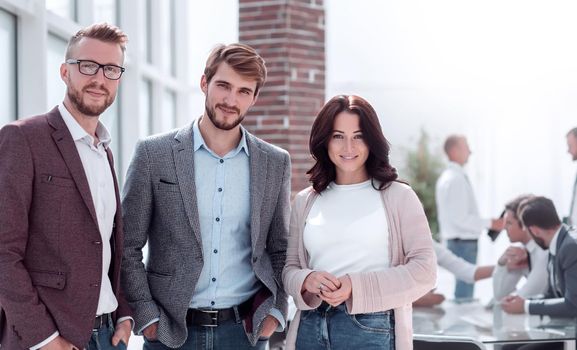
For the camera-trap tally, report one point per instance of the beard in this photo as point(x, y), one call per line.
point(76, 97)
point(222, 125)
point(540, 241)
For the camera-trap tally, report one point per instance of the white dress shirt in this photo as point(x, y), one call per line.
point(505, 281)
point(553, 252)
point(456, 205)
point(462, 269)
point(573, 209)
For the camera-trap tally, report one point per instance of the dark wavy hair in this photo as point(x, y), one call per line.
point(377, 164)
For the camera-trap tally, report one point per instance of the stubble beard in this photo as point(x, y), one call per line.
point(76, 96)
point(211, 113)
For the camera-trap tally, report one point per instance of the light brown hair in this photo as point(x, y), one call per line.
point(243, 59)
point(101, 31)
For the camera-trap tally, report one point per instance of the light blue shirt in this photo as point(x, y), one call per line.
point(223, 198)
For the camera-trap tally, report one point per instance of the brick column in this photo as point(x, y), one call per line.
point(290, 36)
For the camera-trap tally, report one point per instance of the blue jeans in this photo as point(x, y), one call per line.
point(101, 339)
point(333, 328)
point(466, 249)
point(228, 335)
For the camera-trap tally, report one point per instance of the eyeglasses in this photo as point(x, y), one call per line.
point(87, 67)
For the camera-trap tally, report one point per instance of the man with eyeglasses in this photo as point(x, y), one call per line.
point(61, 238)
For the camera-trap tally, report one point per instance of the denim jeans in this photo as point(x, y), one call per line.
point(228, 335)
point(466, 249)
point(101, 339)
point(333, 328)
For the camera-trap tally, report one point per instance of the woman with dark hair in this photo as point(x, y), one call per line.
point(360, 249)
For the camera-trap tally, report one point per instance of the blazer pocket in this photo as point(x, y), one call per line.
point(56, 280)
point(164, 185)
point(57, 181)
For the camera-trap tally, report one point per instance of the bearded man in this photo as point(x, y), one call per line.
point(212, 202)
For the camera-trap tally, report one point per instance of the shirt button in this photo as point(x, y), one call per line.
point(212, 303)
point(221, 161)
point(215, 251)
point(94, 285)
point(217, 219)
point(220, 189)
point(97, 242)
point(214, 279)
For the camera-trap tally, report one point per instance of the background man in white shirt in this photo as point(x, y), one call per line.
point(572, 150)
point(529, 260)
point(459, 221)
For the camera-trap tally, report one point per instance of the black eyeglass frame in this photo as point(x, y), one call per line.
point(78, 62)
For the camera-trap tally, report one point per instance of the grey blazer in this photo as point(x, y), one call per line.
point(160, 206)
point(565, 262)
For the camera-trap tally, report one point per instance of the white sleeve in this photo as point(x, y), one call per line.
point(505, 281)
point(463, 270)
point(538, 279)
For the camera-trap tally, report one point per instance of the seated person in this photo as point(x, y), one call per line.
point(540, 219)
point(459, 267)
point(529, 261)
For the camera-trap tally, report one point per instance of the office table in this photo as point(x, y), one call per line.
point(474, 321)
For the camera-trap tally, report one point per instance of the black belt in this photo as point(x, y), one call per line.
point(214, 317)
point(100, 321)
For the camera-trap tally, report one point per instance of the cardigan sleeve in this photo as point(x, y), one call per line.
point(294, 273)
point(416, 273)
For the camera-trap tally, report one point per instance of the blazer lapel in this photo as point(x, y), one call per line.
point(183, 154)
point(67, 149)
point(258, 175)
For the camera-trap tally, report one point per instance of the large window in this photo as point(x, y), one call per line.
point(55, 57)
point(145, 108)
point(145, 35)
point(8, 67)
point(167, 31)
point(106, 11)
point(168, 117)
point(63, 8)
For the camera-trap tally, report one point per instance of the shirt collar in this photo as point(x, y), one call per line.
point(78, 133)
point(456, 166)
point(553, 245)
point(199, 141)
point(531, 246)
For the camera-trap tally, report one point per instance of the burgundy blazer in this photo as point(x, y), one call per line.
point(50, 244)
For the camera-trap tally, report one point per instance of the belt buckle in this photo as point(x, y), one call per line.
point(213, 318)
point(99, 319)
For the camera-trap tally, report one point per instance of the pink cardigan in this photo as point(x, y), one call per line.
point(413, 270)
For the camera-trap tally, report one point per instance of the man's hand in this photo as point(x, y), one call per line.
point(150, 332)
point(340, 295)
point(59, 343)
point(514, 258)
point(122, 332)
point(513, 304)
point(497, 224)
point(429, 299)
point(269, 325)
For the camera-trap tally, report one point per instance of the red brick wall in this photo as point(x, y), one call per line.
point(290, 36)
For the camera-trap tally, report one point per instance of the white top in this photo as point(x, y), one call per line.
point(97, 170)
point(505, 281)
point(346, 230)
point(456, 205)
point(462, 269)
